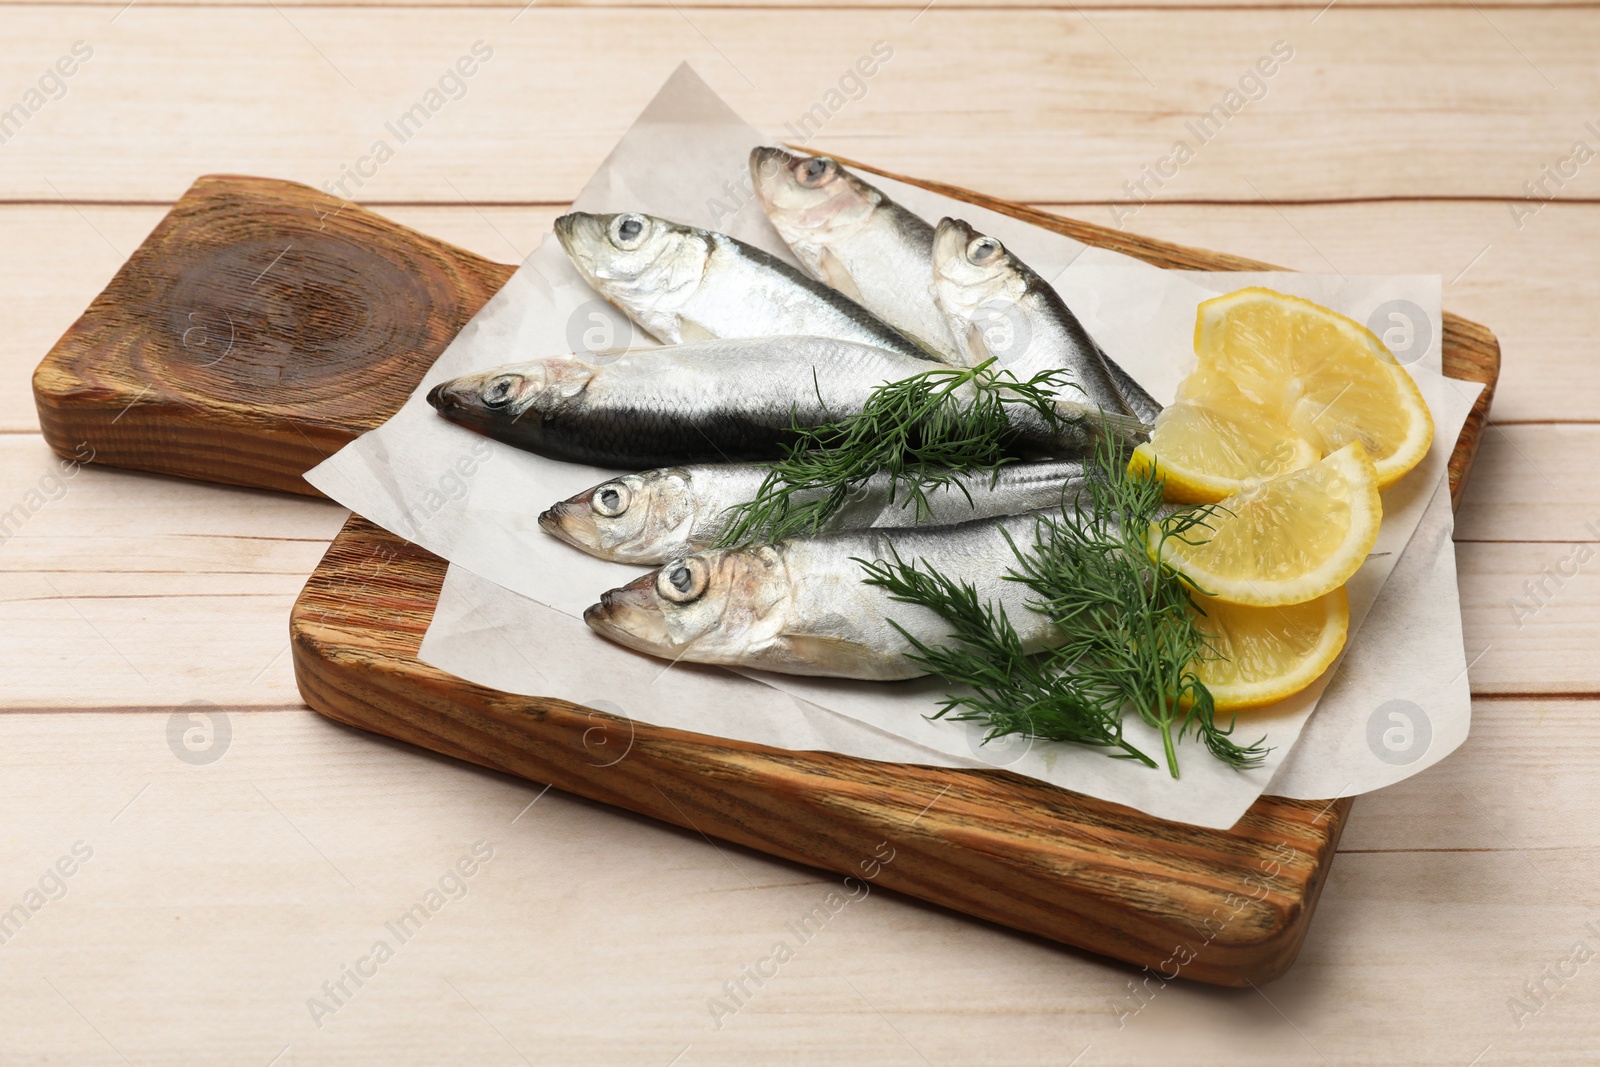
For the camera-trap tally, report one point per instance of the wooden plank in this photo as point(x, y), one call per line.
point(1530, 616)
point(145, 641)
point(1532, 484)
point(61, 258)
point(141, 538)
point(1522, 780)
point(140, 530)
point(128, 590)
point(209, 941)
point(56, 518)
point(1069, 110)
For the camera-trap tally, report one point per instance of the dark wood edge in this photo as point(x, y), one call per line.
point(1067, 867)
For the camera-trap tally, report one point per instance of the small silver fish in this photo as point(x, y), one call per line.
point(999, 308)
point(710, 401)
point(800, 607)
point(850, 235)
point(682, 283)
point(658, 515)
point(716, 401)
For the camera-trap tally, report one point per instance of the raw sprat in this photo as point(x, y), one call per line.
point(682, 283)
point(848, 234)
point(726, 400)
point(657, 515)
point(999, 309)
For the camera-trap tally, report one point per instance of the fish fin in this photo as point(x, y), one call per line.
point(832, 270)
point(846, 659)
point(570, 377)
point(663, 326)
point(690, 331)
point(974, 345)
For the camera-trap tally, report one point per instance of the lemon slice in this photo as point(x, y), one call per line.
point(1286, 540)
point(1325, 376)
point(1268, 654)
point(1213, 441)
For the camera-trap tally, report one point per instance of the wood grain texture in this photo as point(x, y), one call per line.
point(134, 591)
point(1392, 102)
point(258, 329)
point(596, 936)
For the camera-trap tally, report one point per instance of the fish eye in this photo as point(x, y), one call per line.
point(814, 171)
point(628, 231)
point(682, 581)
point(496, 392)
point(983, 251)
point(610, 500)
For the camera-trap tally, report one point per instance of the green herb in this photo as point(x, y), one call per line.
point(1012, 692)
point(925, 431)
point(1127, 624)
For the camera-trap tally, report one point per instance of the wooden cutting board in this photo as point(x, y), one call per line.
point(262, 325)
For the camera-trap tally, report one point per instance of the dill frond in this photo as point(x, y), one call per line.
point(926, 431)
point(1012, 692)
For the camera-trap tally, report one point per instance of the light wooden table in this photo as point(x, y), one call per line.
point(218, 898)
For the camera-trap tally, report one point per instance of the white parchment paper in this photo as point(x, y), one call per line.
point(509, 612)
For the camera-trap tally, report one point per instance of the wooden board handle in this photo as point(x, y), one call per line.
point(259, 328)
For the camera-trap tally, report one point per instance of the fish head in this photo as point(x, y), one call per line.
point(978, 286)
point(811, 200)
point(638, 262)
point(504, 395)
point(631, 519)
point(711, 607)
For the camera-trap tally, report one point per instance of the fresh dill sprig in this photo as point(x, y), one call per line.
point(1129, 620)
point(1012, 692)
point(925, 431)
point(1128, 635)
